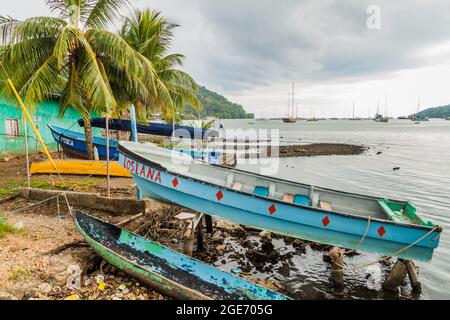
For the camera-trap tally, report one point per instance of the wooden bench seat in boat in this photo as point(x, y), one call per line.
point(297, 199)
point(325, 205)
point(237, 186)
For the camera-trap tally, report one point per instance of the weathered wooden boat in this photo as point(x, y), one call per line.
point(73, 143)
point(353, 221)
point(154, 128)
point(166, 270)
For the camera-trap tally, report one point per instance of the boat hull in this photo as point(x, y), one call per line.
point(382, 237)
point(157, 129)
point(167, 271)
point(74, 144)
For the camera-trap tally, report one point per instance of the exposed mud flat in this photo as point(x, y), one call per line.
point(321, 149)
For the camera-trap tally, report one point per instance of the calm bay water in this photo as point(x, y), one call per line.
point(423, 154)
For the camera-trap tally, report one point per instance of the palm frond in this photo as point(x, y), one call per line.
point(42, 84)
point(74, 11)
point(7, 26)
point(68, 42)
point(37, 27)
point(104, 12)
point(93, 80)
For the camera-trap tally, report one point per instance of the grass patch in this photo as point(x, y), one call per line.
point(11, 186)
point(6, 228)
point(19, 273)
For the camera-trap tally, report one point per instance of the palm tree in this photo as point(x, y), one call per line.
point(73, 58)
point(151, 35)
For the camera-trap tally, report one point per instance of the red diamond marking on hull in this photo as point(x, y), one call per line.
point(272, 209)
point(175, 182)
point(219, 195)
point(381, 231)
point(326, 221)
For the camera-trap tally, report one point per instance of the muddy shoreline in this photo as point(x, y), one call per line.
point(291, 266)
point(321, 149)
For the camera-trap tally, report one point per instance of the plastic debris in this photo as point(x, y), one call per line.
point(122, 287)
point(101, 286)
point(72, 297)
point(99, 278)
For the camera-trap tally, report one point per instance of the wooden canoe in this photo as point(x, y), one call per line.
point(166, 270)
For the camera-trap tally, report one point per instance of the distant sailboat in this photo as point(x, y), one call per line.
point(263, 119)
point(379, 117)
point(417, 119)
point(291, 114)
point(354, 113)
point(313, 117)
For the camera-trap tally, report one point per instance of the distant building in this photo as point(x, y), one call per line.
point(12, 130)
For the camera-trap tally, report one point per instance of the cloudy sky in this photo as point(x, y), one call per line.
point(251, 51)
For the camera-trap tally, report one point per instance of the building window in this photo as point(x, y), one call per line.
point(12, 128)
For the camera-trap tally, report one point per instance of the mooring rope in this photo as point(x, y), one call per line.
point(353, 269)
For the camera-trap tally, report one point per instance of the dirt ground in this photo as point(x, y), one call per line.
point(30, 270)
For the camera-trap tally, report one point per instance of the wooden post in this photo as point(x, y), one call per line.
point(199, 229)
point(108, 175)
point(209, 224)
point(396, 277)
point(25, 137)
point(188, 239)
point(336, 256)
point(413, 277)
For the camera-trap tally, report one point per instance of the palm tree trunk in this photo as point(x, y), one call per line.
point(89, 136)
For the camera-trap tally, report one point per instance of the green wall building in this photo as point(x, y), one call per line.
point(12, 130)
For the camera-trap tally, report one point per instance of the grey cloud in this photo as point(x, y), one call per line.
point(232, 45)
point(253, 43)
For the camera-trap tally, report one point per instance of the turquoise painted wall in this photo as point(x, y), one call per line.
point(45, 113)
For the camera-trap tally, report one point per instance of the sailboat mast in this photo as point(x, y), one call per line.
point(385, 105)
point(353, 109)
point(293, 98)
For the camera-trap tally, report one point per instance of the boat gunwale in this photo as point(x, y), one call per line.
point(173, 283)
point(122, 149)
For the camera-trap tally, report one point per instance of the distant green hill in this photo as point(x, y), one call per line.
point(436, 112)
point(216, 105)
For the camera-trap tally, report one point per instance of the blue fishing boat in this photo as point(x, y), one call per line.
point(155, 128)
point(74, 143)
point(352, 221)
point(166, 270)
